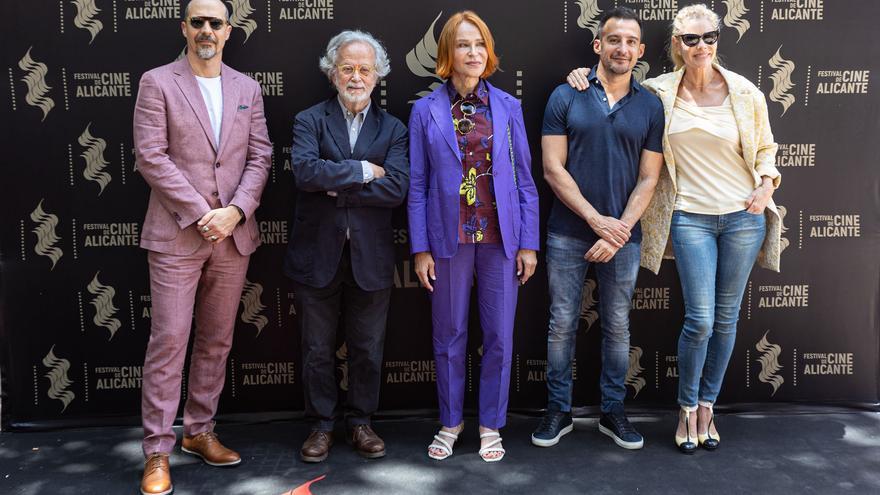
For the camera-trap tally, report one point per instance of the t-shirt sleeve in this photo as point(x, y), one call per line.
point(655, 133)
point(556, 113)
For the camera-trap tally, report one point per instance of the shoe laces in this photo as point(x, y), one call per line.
point(154, 463)
point(207, 437)
point(550, 422)
point(621, 422)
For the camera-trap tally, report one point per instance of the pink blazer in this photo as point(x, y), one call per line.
point(187, 172)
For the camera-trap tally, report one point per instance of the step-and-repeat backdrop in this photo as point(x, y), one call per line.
point(75, 294)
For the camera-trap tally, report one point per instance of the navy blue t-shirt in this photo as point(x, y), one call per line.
point(604, 148)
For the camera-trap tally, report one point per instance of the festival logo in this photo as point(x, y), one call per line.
point(102, 84)
point(271, 373)
point(305, 10)
point(422, 60)
point(783, 241)
point(635, 369)
point(588, 302)
point(650, 298)
point(769, 361)
point(118, 377)
point(589, 17)
point(835, 226)
point(58, 380)
point(86, 10)
point(35, 79)
point(252, 306)
point(781, 78)
point(149, 10)
point(104, 307)
point(736, 9)
point(241, 9)
point(271, 83)
point(115, 234)
point(273, 232)
point(640, 71)
point(784, 296)
point(46, 236)
point(93, 154)
point(653, 10)
point(414, 371)
point(342, 366)
point(842, 82)
point(797, 10)
point(828, 363)
point(796, 155)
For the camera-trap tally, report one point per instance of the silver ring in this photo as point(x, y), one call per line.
point(205, 228)
point(213, 237)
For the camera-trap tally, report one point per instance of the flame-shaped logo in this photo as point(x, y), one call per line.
point(58, 380)
point(422, 60)
point(588, 302)
point(769, 363)
point(783, 242)
point(342, 356)
point(781, 78)
point(94, 157)
point(250, 299)
point(736, 9)
point(86, 10)
point(640, 71)
point(635, 369)
point(589, 18)
point(241, 9)
point(35, 79)
point(103, 303)
point(46, 236)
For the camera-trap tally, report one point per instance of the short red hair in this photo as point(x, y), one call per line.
point(446, 44)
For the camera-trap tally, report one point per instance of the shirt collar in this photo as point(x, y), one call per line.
point(594, 79)
point(348, 115)
point(482, 92)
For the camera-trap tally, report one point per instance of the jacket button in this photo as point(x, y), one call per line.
point(215, 194)
point(217, 165)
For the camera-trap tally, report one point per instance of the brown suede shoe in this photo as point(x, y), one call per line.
point(366, 442)
point(316, 448)
point(208, 447)
point(157, 475)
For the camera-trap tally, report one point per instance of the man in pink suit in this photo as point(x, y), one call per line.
point(202, 145)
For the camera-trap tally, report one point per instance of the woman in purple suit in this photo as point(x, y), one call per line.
point(473, 210)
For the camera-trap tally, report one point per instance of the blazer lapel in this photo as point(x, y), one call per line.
point(744, 113)
point(443, 118)
point(186, 81)
point(336, 125)
point(667, 93)
point(368, 133)
point(500, 118)
point(230, 105)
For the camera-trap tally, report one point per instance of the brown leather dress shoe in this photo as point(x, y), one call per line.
point(316, 448)
point(157, 475)
point(208, 447)
point(366, 442)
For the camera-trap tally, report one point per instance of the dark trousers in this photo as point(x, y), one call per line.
point(364, 314)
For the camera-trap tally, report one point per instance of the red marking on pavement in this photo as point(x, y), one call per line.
point(304, 488)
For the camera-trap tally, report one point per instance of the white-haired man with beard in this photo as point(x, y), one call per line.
point(201, 144)
point(351, 170)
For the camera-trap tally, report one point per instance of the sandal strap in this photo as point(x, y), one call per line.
point(491, 444)
point(448, 434)
point(442, 445)
point(491, 434)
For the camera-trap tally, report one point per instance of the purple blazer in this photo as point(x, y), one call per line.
point(435, 176)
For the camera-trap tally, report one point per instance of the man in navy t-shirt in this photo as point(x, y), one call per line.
point(602, 151)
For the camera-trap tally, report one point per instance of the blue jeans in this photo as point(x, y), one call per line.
point(566, 269)
point(714, 255)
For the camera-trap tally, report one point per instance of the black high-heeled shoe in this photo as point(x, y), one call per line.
point(686, 444)
point(707, 441)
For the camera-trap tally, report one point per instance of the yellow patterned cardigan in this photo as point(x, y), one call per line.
point(759, 151)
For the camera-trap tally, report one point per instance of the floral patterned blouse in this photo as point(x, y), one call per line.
point(478, 215)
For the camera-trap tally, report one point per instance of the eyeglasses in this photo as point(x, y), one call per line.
point(349, 70)
point(464, 125)
point(709, 38)
point(215, 23)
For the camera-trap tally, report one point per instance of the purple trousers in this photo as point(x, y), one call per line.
point(496, 295)
point(207, 283)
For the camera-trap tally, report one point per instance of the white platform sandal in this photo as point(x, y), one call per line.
point(491, 447)
point(443, 445)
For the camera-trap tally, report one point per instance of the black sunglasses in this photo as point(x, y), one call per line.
point(709, 38)
point(198, 22)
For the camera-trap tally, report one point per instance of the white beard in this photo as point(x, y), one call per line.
point(350, 98)
point(206, 52)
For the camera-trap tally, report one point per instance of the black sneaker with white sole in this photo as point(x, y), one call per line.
point(553, 426)
point(617, 426)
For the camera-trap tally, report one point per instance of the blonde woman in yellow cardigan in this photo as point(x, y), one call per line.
point(712, 208)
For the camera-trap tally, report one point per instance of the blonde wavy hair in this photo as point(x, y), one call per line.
point(696, 12)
